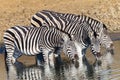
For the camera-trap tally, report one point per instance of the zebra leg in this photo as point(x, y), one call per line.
point(84, 51)
point(11, 73)
point(17, 53)
point(80, 54)
point(46, 56)
point(57, 52)
point(51, 58)
point(43, 56)
point(9, 54)
point(39, 59)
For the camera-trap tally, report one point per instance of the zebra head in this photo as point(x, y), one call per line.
point(69, 47)
point(70, 50)
point(95, 44)
point(91, 38)
point(104, 38)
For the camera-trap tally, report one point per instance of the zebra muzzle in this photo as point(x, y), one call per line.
point(76, 56)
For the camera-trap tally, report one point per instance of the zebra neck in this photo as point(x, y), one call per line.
point(95, 24)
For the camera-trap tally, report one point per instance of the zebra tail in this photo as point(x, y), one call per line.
point(2, 48)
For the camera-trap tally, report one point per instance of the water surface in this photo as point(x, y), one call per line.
point(90, 70)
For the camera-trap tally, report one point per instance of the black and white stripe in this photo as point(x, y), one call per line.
point(67, 23)
point(33, 41)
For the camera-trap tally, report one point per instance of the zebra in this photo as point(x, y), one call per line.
point(67, 23)
point(33, 41)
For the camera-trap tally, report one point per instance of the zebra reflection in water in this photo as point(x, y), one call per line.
point(67, 71)
point(21, 72)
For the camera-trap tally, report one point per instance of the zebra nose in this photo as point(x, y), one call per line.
point(76, 57)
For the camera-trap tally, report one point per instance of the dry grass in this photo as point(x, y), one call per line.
point(19, 12)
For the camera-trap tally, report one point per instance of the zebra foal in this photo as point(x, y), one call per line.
point(33, 41)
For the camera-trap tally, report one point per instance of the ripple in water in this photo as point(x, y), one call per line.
point(108, 70)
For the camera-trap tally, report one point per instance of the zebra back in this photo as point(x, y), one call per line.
point(95, 24)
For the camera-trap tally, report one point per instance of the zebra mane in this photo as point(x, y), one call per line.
point(104, 26)
point(86, 18)
point(72, 21)
point(95, 34)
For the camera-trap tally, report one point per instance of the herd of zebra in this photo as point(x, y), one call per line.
point(54, 32)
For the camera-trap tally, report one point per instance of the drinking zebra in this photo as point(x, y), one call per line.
point(36, 40)
point(33, 41)
point(68, 23)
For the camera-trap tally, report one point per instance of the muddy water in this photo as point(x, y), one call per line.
point(89, 70)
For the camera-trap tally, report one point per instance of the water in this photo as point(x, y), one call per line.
point(90, 70)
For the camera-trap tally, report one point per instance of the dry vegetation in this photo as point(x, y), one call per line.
point(19, 12)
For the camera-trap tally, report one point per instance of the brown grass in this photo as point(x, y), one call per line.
point(19, 12)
